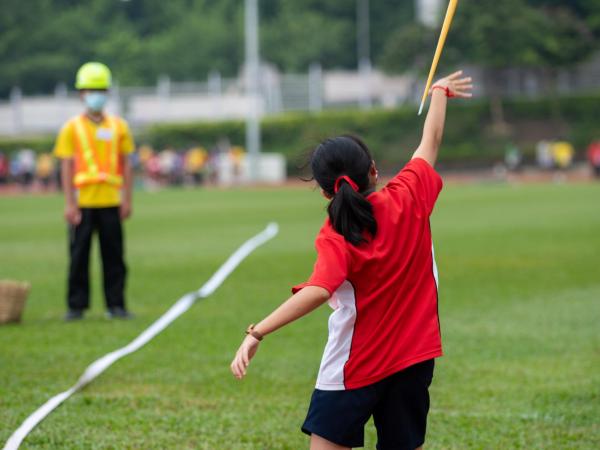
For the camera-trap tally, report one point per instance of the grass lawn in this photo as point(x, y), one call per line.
point(519, 303)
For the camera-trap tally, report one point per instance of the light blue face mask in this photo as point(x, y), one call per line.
point(96, 100)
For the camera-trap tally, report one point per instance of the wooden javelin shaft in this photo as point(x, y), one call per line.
point(438, 51)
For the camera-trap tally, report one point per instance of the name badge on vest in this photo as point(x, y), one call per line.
point(104, 134)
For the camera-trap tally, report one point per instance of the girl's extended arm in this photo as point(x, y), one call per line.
point(433, 129)
point(298, 305)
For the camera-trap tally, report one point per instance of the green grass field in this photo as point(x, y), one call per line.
point(519, 304)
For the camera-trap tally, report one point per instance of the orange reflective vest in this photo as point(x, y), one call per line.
point(89, 167)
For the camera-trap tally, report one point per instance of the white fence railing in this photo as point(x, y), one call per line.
point(220, 98)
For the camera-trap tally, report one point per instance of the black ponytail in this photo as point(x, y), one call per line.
point(350, 213)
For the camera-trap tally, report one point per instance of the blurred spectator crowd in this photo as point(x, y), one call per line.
point(153, 169)
point(27, 168)
point(196, 166)
point(553, 155)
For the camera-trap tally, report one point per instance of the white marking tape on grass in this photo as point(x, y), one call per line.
point(181, 306)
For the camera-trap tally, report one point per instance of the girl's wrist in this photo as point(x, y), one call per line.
point(252, 331)
point(440, 87)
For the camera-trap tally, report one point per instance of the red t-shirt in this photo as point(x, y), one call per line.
point(384, 292)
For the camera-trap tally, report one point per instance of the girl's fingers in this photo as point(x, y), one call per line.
point(242, 360)
point(234, 370)
point(455, 75)
point(462, 85)
point(466, 88)
point(245, 358)
point(240, 368)
point(237, 367)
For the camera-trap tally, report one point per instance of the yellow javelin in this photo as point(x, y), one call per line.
point(438, 50)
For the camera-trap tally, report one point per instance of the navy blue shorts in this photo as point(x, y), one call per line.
point(399, 405)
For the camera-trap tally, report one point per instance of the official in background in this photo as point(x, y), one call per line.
point(96, 178)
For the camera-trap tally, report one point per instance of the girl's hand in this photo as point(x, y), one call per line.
point(454, 85)
point(243, 356)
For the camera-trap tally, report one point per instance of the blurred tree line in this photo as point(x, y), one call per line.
point(539, 35)
point(43, 42)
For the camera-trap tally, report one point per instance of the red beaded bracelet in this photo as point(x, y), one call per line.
point(446, 89)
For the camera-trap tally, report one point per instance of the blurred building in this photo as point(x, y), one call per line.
point(214, 99)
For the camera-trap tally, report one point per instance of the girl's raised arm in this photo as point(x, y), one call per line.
point(433, 130)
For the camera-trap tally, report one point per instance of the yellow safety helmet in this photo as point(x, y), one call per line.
point(93, 75)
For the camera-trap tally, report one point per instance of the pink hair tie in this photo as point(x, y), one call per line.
point(347, 179)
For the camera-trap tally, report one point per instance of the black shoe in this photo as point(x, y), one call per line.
point(118, 313)
point(74, 314)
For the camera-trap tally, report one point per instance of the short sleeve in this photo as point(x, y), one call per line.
point(331, 267)
point(64, 147)
point(421, 180)
point(127, 143)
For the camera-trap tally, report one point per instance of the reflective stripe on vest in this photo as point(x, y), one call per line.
point(93, 172)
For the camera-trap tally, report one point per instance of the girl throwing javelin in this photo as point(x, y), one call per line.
point(375, 266)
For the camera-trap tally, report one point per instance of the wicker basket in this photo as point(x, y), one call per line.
point(12, 300)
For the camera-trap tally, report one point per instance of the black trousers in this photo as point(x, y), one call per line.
point(107, 222)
